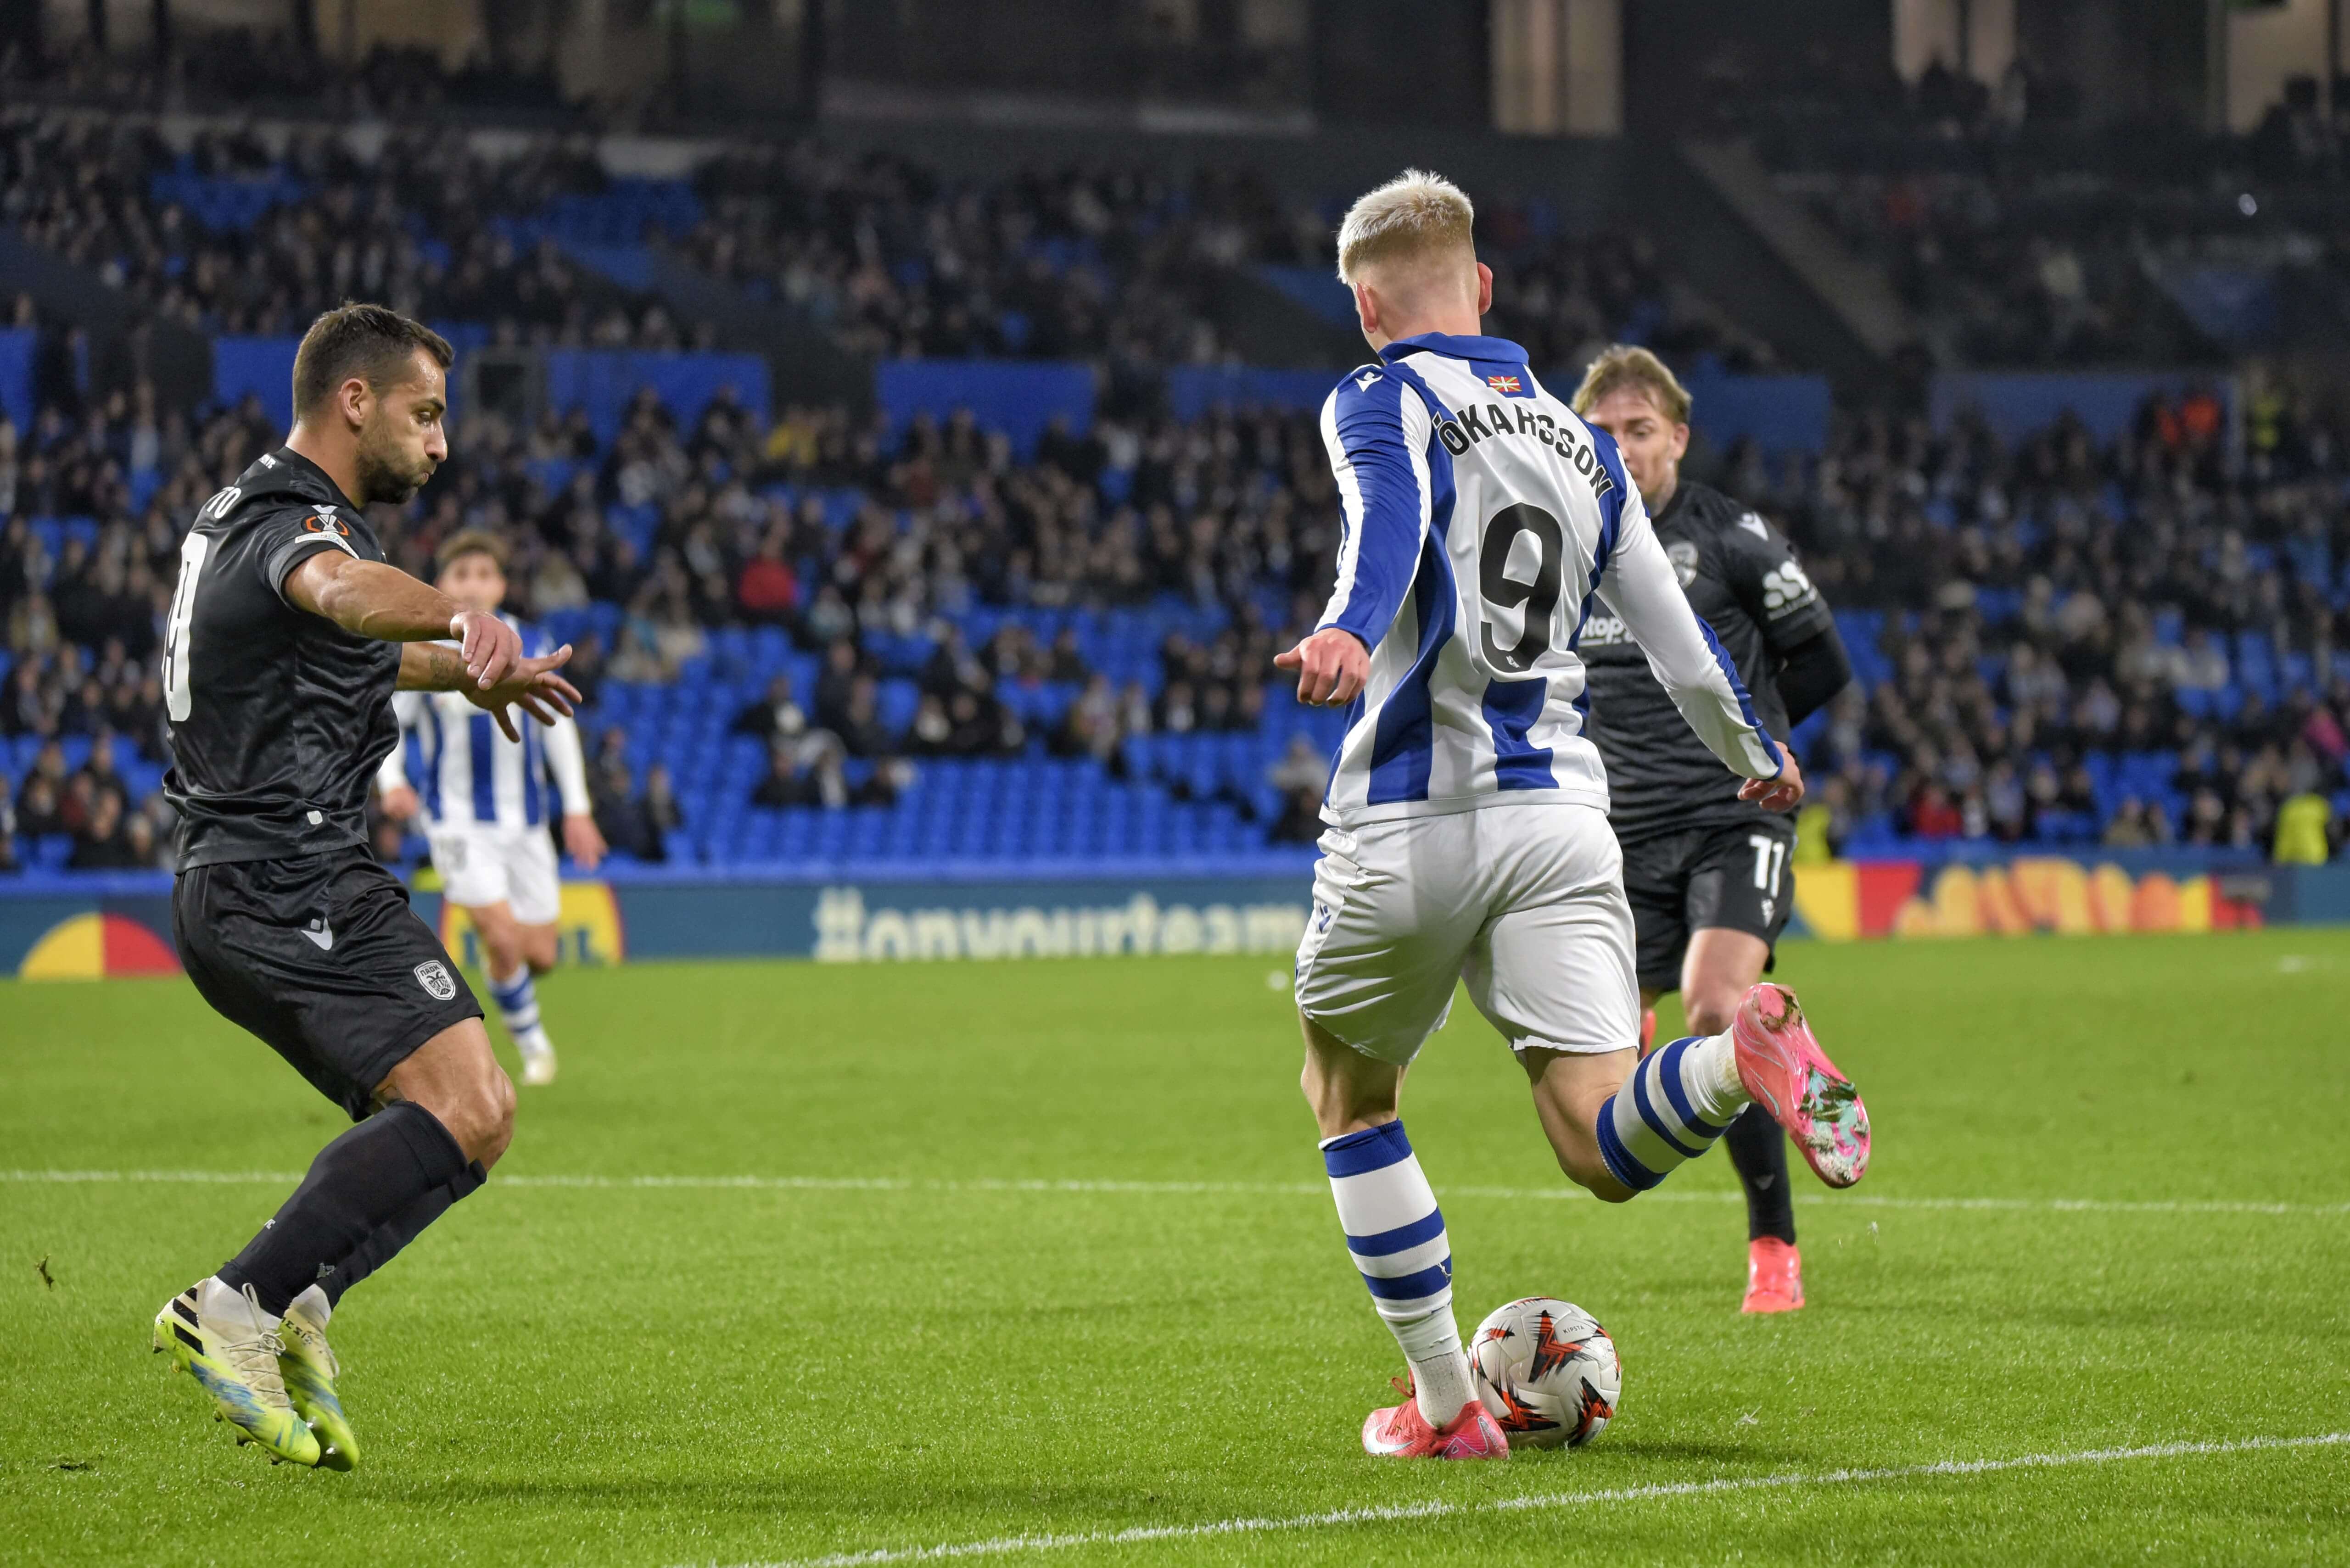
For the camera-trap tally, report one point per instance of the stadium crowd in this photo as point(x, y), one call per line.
point(2132, 645)
point(2019, 237)
point(244, 235)
point(234, 236)
point(1116, 263)
point(2058, 642)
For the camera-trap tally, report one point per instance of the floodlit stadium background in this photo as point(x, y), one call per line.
point(907, 413)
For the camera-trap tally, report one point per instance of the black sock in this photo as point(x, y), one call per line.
point(386, 1239)
point(359, 1182)
point(1758, 1151)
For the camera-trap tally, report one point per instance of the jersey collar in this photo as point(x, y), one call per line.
point(1455, 347)
point(287, 472)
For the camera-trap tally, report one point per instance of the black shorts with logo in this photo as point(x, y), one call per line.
point(1729, 876)
point(322, 958)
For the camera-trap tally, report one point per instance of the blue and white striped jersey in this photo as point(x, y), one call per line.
point(470, 774)
point(1482, 519)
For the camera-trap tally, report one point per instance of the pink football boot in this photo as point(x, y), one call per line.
point(1797, 1085)
point(1401, 1432)
point(1774, 1276)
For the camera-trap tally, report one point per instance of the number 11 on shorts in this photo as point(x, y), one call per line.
point(1770, 860)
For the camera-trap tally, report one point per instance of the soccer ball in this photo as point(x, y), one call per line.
point(1547, 1372)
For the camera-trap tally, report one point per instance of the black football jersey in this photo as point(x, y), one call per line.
point(1743, 579)
point(278, 717)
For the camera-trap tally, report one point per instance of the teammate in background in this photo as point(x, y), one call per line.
point(485, 805)
point(1707, 871)
point(287, 637)
point(1467, 829)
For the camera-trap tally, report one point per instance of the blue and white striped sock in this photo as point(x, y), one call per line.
point(1396, 1233)
point(517, 1001)
point(1678, 1100)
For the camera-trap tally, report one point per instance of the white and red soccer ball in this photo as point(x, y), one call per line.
point(1547, 1373)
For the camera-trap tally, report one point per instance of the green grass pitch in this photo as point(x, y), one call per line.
point(1041, 1251)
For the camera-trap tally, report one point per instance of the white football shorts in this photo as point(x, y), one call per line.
point(1526, 903)
point(516, 866)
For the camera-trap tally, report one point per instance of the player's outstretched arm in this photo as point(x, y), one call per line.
point(1641, 587)
point(582, 840)
point(369, 598)
point(532, 684)
point(1371, 426)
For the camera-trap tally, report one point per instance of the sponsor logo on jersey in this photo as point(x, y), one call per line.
point(1752, 523)
point(1683, 555)
point(321, 934)
point(1786, 589)
point(434, 977)
point(1363, 383)
point(1602, 630)
point(1509, 384)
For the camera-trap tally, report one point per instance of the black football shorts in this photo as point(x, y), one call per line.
point(1729, 876)
point(321, 957)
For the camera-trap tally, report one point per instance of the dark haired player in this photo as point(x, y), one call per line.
point(288, 634)
point(1707, 872)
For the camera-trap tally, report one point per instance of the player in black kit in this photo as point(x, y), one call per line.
point(1706, 873)
point(287, 635)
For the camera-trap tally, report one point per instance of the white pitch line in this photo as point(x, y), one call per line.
point(1394, 1513)
point(1180, 1189)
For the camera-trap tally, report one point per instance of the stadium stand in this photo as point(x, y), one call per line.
point(804, 639)
point(1043, 629)
point(2023, 238)
point(232, 236)
point(242, 236)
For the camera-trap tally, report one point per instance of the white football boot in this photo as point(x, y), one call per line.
point(537, 1056)
point(224, 1341)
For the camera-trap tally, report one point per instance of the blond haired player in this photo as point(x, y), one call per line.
point(1707, 874)
point(485, 805)
point(1468, 836)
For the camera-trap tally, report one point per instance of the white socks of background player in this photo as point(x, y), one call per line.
point(1678, 1100)
point(517, 1001)
point(1396, 1235)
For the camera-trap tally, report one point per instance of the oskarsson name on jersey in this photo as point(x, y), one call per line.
point(1459, 432)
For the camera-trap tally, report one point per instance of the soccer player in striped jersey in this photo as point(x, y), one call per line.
point(1468, 836)
point(486, 802)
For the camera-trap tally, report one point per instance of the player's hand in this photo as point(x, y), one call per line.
point(1781, 793)
point(581, 841)
point(1332, 666)
point(399, 802)
point(534, 687)
point(492, 648)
